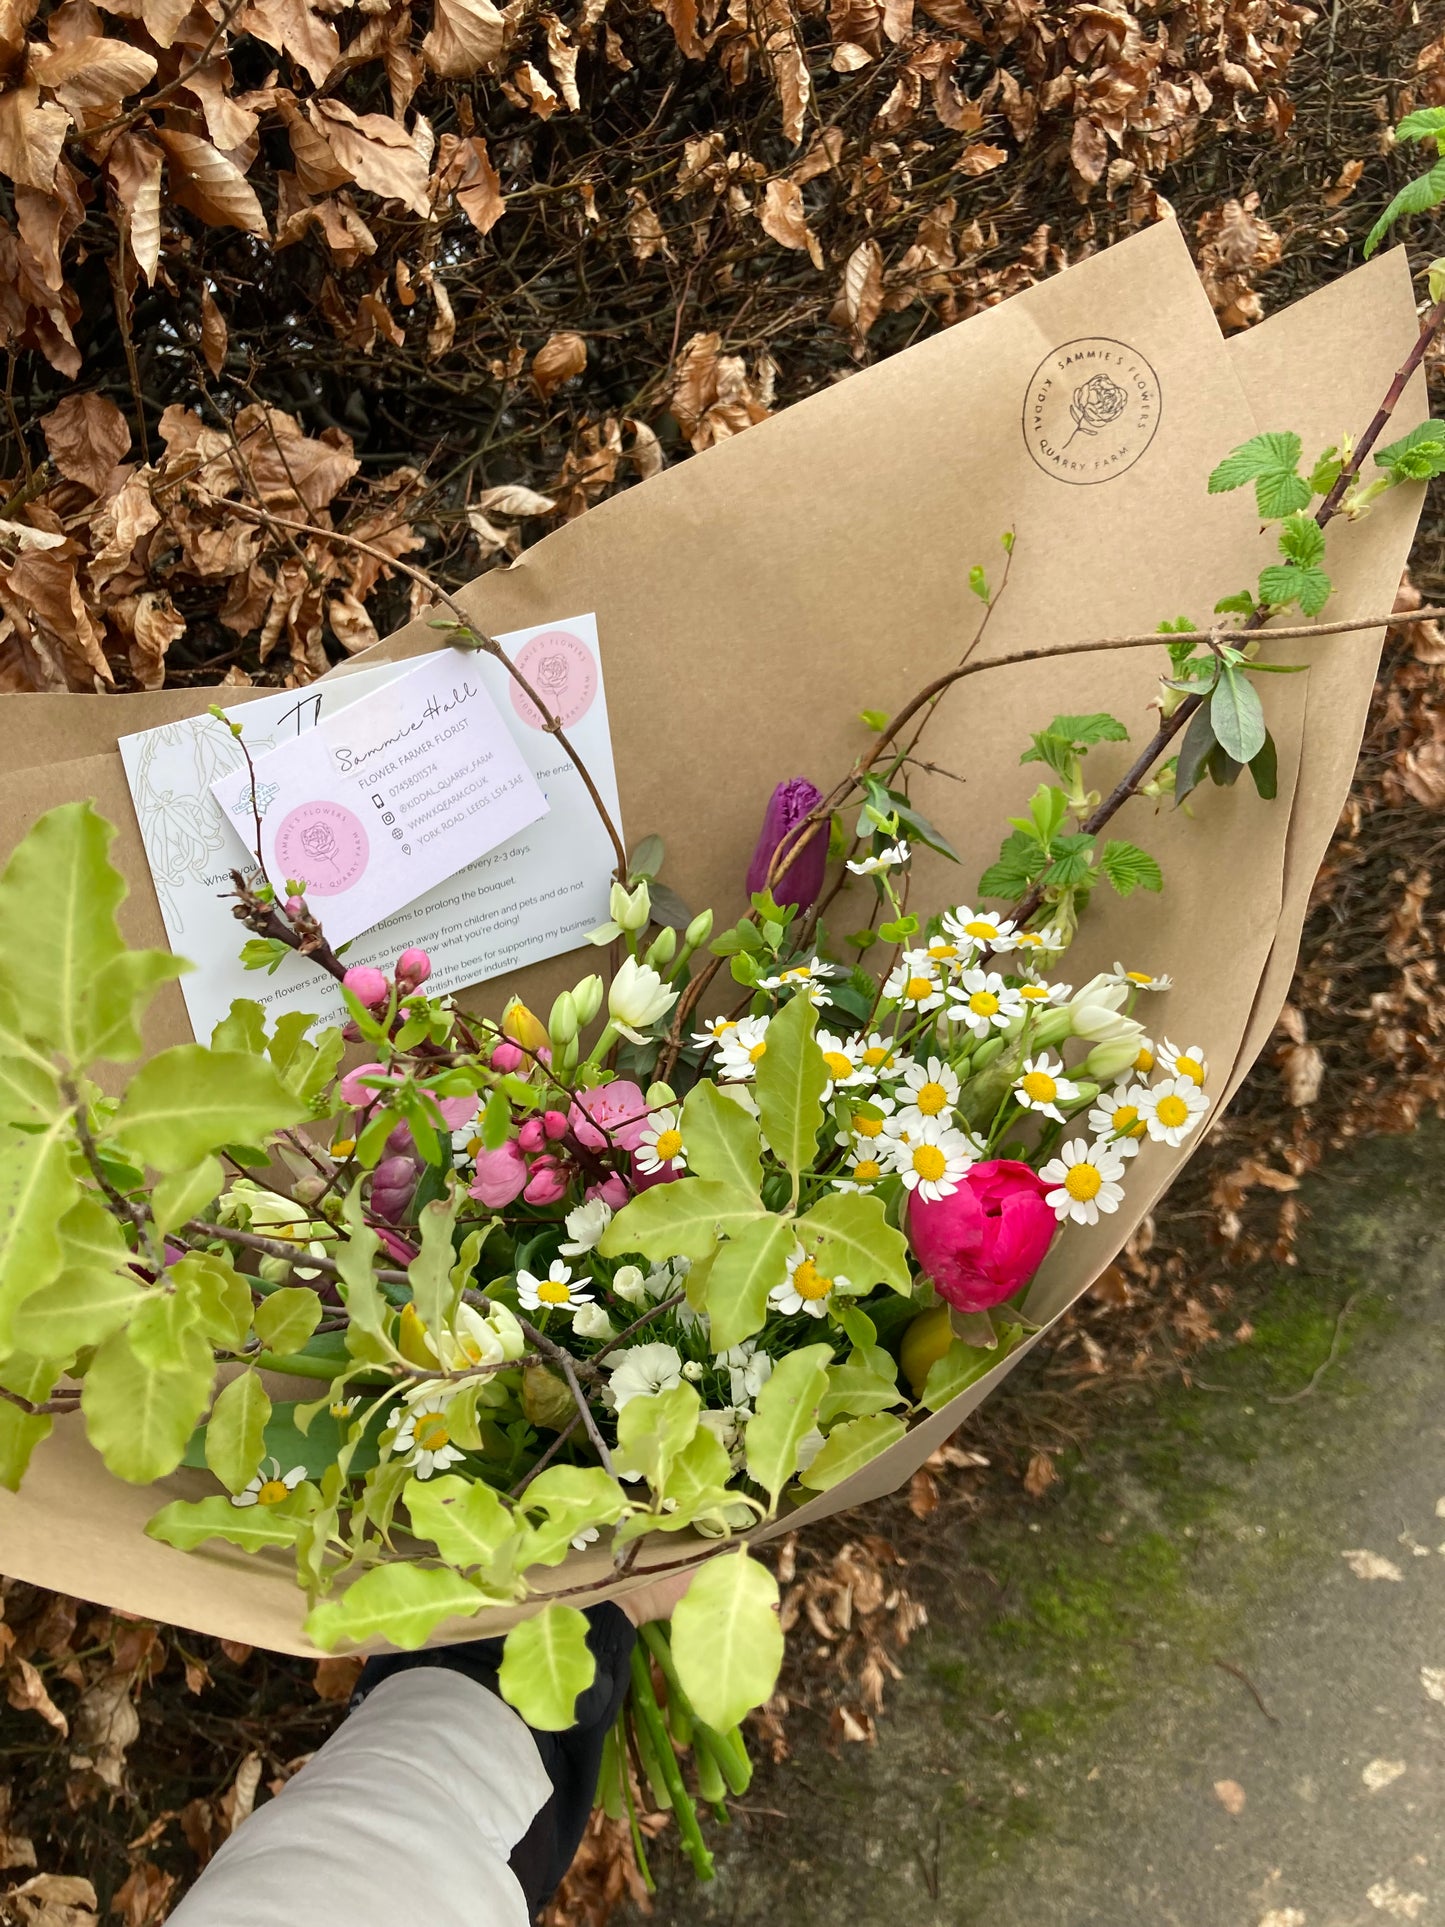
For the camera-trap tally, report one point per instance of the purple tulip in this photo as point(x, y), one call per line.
point(392, 1184)
point(802, 879)
point(986, 1240)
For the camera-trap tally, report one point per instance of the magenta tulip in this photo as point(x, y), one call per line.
point(986, 1240)
point(500, 1175)
point(802, 879)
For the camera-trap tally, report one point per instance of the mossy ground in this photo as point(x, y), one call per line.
point(1089, 1660)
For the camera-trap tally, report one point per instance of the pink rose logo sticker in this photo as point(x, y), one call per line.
point(325, 843)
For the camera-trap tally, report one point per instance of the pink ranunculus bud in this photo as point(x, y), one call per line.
point(987, 1239)
point(609, 1114)
point(611, 1191)
point(802, 879)
point(547, 1182)
point(532, 1137)
point(554, 1123)
point(507, 1056)
point(413, 967)
point(500, 1175)
point(392, 1184)
point(367, 985)
point(295, 906)
point(352, 1091)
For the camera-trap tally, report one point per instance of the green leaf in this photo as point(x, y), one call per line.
point(856, 1390)
point(684, 1219)
point(218, 1297)
point(1071, 859)
point(722, 1140)
point(744, 1271)
point(1237, 715)
point(1020, 861)
point(1264, 768)
point(1277, 493)
point(496, 1122)
point(1270, 462)
point(569, 1497)
point(430, 1272)
point(1284, 583)
point(356, 1275)
point(1426, 123)
point(139, 1417)
point(546, 1666)
point(963, 1365)
point(978, 582)
point(1416, 197)
point(848, 1233)
point(1194, 752)
point(727, 1644)
point(83, 1306)
point(236, 1431)
point(190, 1100)
point(242, 1028)
point(1326, 471)
point(1077, 733)
point(652, 1429)
point(185, 1194)
point(58, 897)
point(850, 1447)
point(1241, 603)
point(790, 1080)
point(874, 719)
point(119, 998)
point(286, 1318)
point(187, 1524)
point(398, 1602)
point(20, 1433)
point(37, 1188)
point(1416, 457)
point(1129, 868)
point(786, 1411)
point(646, 859)
point(464, 1519)
point(1303, 540)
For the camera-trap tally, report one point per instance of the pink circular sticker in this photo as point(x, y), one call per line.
point(326, 844)
point(561, 668)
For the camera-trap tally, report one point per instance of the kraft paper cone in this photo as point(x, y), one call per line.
point(751, 601)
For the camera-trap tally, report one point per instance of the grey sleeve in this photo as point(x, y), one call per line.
point(408, 1812)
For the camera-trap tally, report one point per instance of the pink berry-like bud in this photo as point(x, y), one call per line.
point(295, 906)
point(413, 967)
point(367, 985)
point(547, 1183)
point(507, 1057)
point(554, 1123)
point(532, 1137)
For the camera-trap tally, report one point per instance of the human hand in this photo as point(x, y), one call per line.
point(655, 1599)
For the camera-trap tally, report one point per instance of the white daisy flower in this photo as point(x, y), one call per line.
point(713, 1031)
point(1184, 1063)
point(555, 1292)
point(806, 1288)
point(1035, 943)
point(642, 1370)
point(841, 1055)
point(588, 1536)
point(985, 1002)
point(810, 976)
point(1117, 1118)
point(271, 1485)
point(929, 1090)
point(585, 1226)
point(1040, 995)
point(1042, 1086)
point(888, 859)
point(1172, 1109)
point(947, 952)
point(1142, 979)
point(1085, 1177)
point(979, 928)
point(880, 1058)
point(343, 1407)
point(933, 1157)
point(749, 1368)
point(914, 983)
point(1148, 1056)
point(424, 1440)
point(867, 1122)
point(739, 1053)
point(660, 1146)
point(466, 1141)
point(865, 1169)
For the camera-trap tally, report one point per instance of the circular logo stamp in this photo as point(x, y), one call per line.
point(326, 844)
point(562, 670)
point(1091, 410)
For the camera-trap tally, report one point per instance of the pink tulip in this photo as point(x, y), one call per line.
point(610, 1114)
point(500, 1175)
point(507, 1057)
point(987, 1239)
point(361, 1096)
point(547, 1183)
point(612, 1191)
point(367, 985)
point(413, 967)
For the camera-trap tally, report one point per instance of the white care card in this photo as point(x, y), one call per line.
point(383, 800)
point(534, 897)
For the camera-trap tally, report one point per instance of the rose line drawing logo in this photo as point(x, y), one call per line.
point(325, 843)
point(1091, 410)
point(562, 670)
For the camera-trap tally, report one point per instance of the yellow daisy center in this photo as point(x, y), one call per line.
point(1040, 1087)
point(866, 1126)
point(942, 952)
point(917, 988)
point(1145, 1060)
point(431, 1432)
point(983, 1003)
point(1139, 976)
point(929, 1162)
point(867, 1171)
point(1189, 1067)
point(1127, 1120)
point(1083, 1182)
point(757, 1050)
point(1172, 1111)
point(474, 1145)
point(342, 1147)
point(552, 1291)
point(811, 1283)
point(1028, 937)
point(272, 1492)
point(723, 1025)
point(876, 1056)
point(982, 929)
point(669, 1143)
point(838, 1064)
point(931, 1099)
point(339, 1408)
point(1034, 993)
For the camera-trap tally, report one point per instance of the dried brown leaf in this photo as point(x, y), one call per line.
point(31, 136)
point(465, 36)
point(26, 1692)
point(134, 167)
point(106, 1723)
point(558, 360)
point(782, 214)
point(511, 498)
point(92, 74)
point(376, 151)
point(335, 1679)
point(208, 184)
point(86, 436)
point(143, 1899)
point(861, 295)
point(1041, 1474)
point(213, 332)
point(981, 158)
point(292, 27)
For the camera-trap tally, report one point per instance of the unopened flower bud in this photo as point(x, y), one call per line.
point(295, 907)
point(659, 1094)
point(663, 948)
point(367, 985)
point(805, 857)
point(587, 999)
point(562, 1024)
point(506, 1057)
point(522, 1027)
point(413, 967)
point(631, 909)
point(1109, 1060)
point(698, 931)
